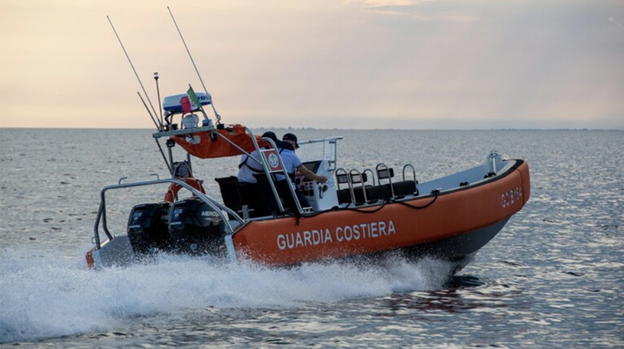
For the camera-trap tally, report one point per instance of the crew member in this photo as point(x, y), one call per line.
point(292, 163)
point(294, 167)
point(250, 164)
point(258, 196)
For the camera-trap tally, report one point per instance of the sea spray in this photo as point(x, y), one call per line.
point(47, 296)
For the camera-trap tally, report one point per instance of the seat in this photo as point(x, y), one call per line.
point(263, 198)
point(231, 193)
point(264, 192)
point(344, 195)
point(378, 192)
point(405, 188)
point(401, 189)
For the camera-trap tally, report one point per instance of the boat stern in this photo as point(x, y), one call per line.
point(115, 252)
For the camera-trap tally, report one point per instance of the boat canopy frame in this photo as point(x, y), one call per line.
point(262, 161)
point(332, 141)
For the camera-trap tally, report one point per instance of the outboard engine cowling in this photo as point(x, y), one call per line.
point(147, 227)
point(195, 228)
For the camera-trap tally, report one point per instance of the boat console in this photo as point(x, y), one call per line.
point(320, 196)
point(255, 200)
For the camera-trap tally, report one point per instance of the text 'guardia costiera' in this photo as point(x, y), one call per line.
point(315, 237)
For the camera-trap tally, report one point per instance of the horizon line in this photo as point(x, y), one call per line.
point(335, 128)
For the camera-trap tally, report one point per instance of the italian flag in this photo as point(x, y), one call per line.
point(193, 97)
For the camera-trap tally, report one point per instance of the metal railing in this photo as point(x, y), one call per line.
point(385, 172)
point(356, 177)
point(212, 203)
point(410, 166)
point(333, 143)
point(215, 134)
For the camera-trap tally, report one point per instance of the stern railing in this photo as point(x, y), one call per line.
point(212, 203)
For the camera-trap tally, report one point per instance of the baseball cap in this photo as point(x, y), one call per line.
point(291, 137)
point(271, 135)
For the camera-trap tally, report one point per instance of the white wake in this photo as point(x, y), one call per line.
point(45, 296)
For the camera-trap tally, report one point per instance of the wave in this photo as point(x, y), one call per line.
point(48, 296)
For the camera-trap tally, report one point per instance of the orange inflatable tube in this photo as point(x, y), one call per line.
point(345, 232)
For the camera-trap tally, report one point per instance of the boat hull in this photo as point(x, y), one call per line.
point(458, 251)
point(456, 247)
point(452, 225)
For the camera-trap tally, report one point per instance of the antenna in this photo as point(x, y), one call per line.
point(158, 96)
point(134, 70)
point(194, 65)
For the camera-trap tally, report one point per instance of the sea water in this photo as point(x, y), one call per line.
point(553, 276)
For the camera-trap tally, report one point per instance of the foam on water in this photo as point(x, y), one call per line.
point(44, 296)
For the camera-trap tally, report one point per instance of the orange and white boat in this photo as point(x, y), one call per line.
point(356, 213)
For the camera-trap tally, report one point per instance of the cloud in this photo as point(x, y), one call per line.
point(422, 10)
point(383, 3)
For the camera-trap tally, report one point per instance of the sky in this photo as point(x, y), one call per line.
point(422, 64)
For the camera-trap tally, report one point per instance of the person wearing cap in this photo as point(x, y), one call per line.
point(293, 164)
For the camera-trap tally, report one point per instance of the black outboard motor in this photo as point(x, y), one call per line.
point(194, 228)
point(147, 227)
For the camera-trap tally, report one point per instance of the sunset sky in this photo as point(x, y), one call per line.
point(323, 63)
